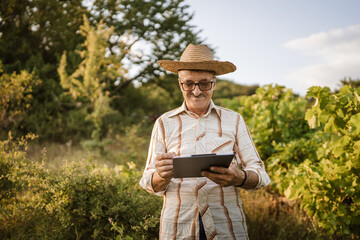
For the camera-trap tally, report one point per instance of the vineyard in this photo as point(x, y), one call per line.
point(312, 152)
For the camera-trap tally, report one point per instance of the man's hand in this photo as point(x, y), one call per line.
point(164, 165)
point(225, 176)
point(164, 171)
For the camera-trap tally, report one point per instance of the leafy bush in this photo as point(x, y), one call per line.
point(274, 115)
point(83, 201)
point(329, 187)
point(16, 94)
point(317, 164)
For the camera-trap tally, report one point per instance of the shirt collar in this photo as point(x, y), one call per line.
point(183, 108)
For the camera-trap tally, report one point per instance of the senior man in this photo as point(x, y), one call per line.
point(207, 207)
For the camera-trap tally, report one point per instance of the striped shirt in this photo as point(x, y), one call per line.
point(220, 130)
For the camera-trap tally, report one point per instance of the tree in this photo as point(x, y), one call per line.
point(146, 31)
point(87, 82)
point(34, 34)
point(229, 89)
point(352, 83)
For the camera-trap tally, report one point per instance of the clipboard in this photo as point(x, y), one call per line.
point(191, 166)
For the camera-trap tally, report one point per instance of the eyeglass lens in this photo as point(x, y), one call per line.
point(190, 85)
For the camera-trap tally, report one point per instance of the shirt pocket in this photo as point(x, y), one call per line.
point(221, 145)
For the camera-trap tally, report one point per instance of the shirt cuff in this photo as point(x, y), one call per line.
point(146, 183)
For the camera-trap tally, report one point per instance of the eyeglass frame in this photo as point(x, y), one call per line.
point(197, 84)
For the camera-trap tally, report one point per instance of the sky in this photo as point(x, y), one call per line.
point(296, 44)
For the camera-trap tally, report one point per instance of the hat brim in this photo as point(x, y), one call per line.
point(219, 67)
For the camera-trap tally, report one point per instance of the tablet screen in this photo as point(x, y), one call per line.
point(191, 166)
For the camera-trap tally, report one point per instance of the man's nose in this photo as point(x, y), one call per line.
point(197, 90)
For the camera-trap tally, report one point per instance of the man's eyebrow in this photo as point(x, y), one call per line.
point(188, 80)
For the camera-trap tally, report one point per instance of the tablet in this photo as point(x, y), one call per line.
point(191, 166)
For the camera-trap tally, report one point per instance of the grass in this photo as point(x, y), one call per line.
point(270, 216)
point(55, 155)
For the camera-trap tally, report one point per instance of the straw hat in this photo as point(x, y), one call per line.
point(197, 57)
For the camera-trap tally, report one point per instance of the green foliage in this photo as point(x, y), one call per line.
point(228, 89)
point(274, 115)
point(22, 185)
point(15, 96)
point(319, 165)
point(35, 34)
point(88, 196)
point(87, 81)
point(12, 158)
point(329, 186)
point(95, 67)
point(84, 200)
point(87, 200)
point(354, 83)
point(159, 29)
point(282, 163)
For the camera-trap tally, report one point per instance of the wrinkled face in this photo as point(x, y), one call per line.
point(199, 98)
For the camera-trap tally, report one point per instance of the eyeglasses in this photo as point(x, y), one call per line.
point(190, 85)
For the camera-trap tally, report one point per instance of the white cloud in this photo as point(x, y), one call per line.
point(337, 53)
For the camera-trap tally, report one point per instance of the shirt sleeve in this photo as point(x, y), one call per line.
point(247, 156)
point(157, 146)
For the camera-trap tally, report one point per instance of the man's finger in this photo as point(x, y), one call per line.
point(162, 156)
point(165, 168)
point(220, 170)
point(217, 178)
point(166, 174)
point(164, 162)
point(212, 176)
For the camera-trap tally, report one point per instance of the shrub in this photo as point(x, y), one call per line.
point(315, 161)
point(274, 115)
point(82, 201)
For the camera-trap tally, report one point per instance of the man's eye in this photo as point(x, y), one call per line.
point(189, 84)
point(204, 85)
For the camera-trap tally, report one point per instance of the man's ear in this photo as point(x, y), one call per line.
point(214, 82)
